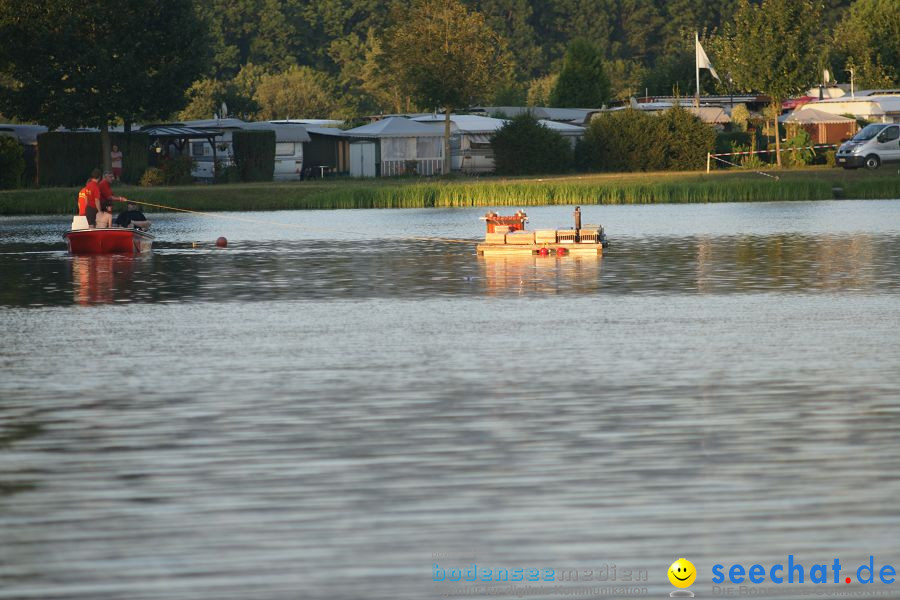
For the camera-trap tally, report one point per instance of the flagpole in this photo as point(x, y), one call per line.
point(697, 65)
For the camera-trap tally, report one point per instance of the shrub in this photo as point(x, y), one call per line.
point(687, 139)
point(152, 177)
point(523, 146)
point(796, 150)
point(177, 170)
point(727, 139)
point(12, 162)
point(633, 140)
point(626, 140)
point(740, 117)
point(254, 154)
point(227, 174)
point(830, 159)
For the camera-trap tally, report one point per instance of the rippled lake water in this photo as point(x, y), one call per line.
point(341, 400)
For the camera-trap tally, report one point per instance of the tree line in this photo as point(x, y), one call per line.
point(105, 61)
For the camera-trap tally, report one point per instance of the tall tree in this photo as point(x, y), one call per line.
point(868, 40)
point(445, 55)
point(582, 82)
point(242, 31)
point(299, 92)
point(512, 20)
point(557, 25)
point(74, 65)
point(772, 48)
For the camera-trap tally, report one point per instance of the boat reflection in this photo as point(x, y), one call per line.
point(540, 274)
point(99, 279)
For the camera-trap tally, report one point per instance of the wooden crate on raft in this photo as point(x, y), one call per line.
point(565, 236)
point(589, 236)
point(520, 237)
point(545, 236)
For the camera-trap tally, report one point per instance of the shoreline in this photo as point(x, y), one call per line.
point(818, 183)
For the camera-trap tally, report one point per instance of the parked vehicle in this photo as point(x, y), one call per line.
point(873, 145)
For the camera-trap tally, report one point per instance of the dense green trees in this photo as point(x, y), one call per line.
point(582, 81)
point(98, 61)
point(642, 44)
point(868, 41)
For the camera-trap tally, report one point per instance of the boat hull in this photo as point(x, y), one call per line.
point(114, 240)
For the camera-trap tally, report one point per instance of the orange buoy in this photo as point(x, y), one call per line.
point(561, 251)
point(544, 251)
point(221, 242)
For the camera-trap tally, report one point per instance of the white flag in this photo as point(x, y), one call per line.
point(703, 61)
point(826, 76)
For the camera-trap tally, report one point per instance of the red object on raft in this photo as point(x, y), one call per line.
point(108, 241)
point(515, 222)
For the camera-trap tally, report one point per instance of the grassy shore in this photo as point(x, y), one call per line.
point(629, 188)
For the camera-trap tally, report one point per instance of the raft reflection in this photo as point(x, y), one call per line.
point(543, 274)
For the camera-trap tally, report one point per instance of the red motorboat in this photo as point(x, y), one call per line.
point(108, 241)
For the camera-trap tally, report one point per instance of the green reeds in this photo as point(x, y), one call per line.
point(632, 188)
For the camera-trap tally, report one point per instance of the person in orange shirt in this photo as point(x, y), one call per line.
point(89, 199)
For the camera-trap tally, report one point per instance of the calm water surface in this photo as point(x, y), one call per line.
point(329, 407)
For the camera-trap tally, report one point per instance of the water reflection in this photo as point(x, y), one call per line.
point(102, 278)
point(255, 271)
point(313, 418)
point(540, 274)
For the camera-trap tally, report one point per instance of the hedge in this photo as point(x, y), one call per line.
point(12, 162)
point(523, 146)
point(66, 158)
point(633, 140)
point(254, 154)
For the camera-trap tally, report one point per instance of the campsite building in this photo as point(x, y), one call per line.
point(396, 146)
point(876, 108)
point(822, 127)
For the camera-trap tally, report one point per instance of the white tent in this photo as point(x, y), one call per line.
point(807, 114)
point(880, 108)
point(405, 146)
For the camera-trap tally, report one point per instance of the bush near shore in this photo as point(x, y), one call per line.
point(818, 183)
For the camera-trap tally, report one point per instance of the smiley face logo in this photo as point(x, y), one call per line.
point(682, 573)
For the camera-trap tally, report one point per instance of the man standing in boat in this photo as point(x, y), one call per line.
point(104, 219)
point(89, 199)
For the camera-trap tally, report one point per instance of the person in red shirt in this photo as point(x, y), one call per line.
point(104, 219)
point(89, 199)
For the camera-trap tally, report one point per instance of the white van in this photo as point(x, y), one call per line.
point(875, 144)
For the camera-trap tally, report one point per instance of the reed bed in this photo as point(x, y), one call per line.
point(644, 188)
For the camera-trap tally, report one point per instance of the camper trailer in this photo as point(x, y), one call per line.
point(289, 140)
